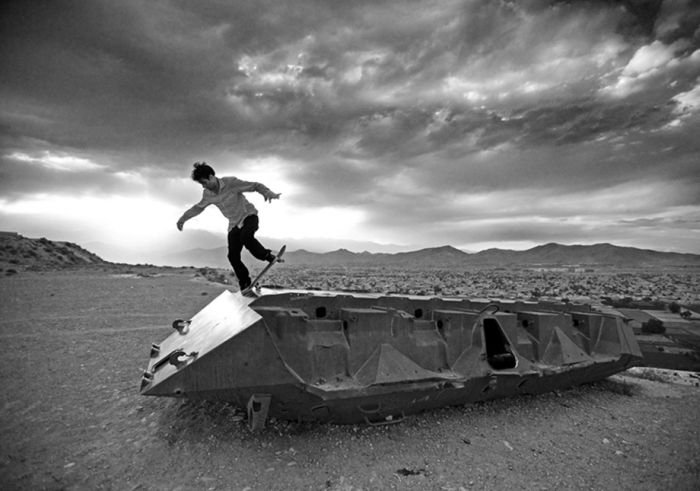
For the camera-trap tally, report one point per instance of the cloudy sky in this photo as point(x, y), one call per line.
point(405, 123)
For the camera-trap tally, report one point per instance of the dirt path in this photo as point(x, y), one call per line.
point(71, 416)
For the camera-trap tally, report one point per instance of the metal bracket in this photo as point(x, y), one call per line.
point(258, 407)
point(173, 358)
point(182, 326)
point(155, 350)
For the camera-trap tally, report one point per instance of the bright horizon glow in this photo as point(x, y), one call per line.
point(150, 224)
point(139, 220)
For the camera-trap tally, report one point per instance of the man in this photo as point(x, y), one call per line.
point(226, 193)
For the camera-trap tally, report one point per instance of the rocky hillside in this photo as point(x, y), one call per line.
point(21, 253)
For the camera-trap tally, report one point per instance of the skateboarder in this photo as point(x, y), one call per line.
point(227, 194)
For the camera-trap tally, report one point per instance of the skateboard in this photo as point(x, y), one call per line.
point(250, 291)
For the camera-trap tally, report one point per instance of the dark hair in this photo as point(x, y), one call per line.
point(202, 171)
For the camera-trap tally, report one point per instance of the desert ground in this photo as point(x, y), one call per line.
point(74, 345)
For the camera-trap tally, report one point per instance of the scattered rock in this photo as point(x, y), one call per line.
point(410, 472)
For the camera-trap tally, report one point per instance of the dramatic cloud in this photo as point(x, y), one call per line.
point(475, 123)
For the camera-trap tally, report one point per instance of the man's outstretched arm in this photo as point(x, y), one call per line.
point(246, 186)
point(191, 213)
point(266, 192)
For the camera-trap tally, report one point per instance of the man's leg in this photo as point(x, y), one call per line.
point(235, 246)
point(248, 229)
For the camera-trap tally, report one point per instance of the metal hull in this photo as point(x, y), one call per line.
point(312, 356)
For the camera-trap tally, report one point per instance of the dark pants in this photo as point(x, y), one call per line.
point(245, 236)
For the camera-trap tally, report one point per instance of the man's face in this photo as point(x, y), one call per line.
point(209, 183)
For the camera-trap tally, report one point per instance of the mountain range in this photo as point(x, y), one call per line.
point(22, 252)
point(551, 254)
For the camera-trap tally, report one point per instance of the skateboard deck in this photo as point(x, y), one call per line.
point(250, 291)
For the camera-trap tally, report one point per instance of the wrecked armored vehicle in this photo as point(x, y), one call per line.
point(314, 356)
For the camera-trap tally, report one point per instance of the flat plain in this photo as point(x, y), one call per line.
point(73, 346)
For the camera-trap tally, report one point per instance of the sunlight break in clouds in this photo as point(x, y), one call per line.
point(648, 58)
point(655, 60)
point(67, 163)
point(689, 102)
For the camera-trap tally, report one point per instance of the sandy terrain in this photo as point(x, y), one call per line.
point(74, 345)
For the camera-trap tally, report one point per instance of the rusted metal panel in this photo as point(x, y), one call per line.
point(376, 359)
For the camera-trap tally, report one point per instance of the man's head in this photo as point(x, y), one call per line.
point(202, 171)
point(205, 175)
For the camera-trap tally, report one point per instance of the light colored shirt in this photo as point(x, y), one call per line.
point(230, 200)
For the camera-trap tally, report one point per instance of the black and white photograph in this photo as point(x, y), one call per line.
point(454, 245)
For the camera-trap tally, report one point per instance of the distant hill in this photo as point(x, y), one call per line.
point(18, 252)
point(438, 256)
point(545, 255)
point(21, 253)
point(596, 254)
point(447, 256)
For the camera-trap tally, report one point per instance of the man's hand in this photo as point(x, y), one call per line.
point(191, 213)
point(272, 196)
